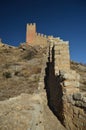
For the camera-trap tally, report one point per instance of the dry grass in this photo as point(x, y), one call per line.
point(19, 70)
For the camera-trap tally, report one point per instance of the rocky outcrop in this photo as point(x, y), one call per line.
point(24, 112)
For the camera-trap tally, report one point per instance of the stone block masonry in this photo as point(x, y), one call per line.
point(60, 81)
point(34, 38)
point(62, 57)
point(30, 33)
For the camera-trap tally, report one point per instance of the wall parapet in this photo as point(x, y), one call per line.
point(31, 24)
point(41, 35)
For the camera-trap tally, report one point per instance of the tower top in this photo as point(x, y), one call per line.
point(31, 24)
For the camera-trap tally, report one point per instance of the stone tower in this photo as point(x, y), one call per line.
point(30, 33)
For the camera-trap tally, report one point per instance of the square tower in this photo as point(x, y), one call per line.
point(30, 33)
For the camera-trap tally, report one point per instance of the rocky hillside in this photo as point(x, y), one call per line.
point(20, 69)
point(81, 69)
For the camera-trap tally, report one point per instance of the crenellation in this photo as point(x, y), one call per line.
point(45, 36)
point(42, 35)
point(50, 37)
point(32, 24)
point(57, 38)
point(38, 34)
point(62, 56)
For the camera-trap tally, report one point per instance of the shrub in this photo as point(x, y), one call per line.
point(29, 55)
point(7, 75)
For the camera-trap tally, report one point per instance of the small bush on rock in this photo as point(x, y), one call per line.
point(7, 75)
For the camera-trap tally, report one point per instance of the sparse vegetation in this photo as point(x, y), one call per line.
point(19, 70)
point(29, 55)
point(7, 75)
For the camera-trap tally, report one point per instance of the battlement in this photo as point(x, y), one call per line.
point(30, 33)
point(33, 37)
point(31, 24)
point(62, 57)
point(41, 35)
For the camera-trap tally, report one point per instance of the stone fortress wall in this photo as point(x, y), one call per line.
point(58, 49)
point(62, 83)
point(61, 47)
point(34, 38)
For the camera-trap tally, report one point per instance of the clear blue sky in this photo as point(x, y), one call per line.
point(60, 18)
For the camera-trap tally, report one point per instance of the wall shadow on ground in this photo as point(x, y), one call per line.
point(53, 87)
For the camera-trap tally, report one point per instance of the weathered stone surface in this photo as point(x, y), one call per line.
point(22, 113)
point(77, 96)
point(71, 83)
point(27, 112)
point(71, 75)
point(84, 99)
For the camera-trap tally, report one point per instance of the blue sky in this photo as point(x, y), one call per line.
point(60, 18)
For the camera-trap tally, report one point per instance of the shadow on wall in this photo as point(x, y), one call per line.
point(53, 87)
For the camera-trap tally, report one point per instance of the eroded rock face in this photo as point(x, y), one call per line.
point(27, 112)
point(22, 113)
